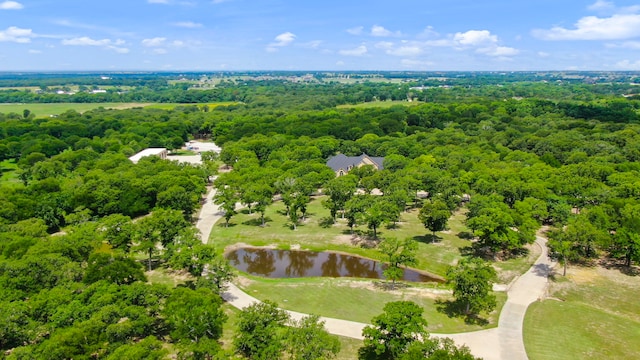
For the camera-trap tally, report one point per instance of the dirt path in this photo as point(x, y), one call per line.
point(502, 343)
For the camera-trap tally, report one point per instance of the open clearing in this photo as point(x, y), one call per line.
point(360, 300)
point(593, 313)
point(46, 110)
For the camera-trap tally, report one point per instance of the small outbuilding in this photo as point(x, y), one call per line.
point(159, 152)
point(342, 164)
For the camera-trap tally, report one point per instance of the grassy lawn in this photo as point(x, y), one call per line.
point(510, 269)
point(594, 314)
point(382, 104)
point(8, 171)
point(44, 110)
point(358, 300)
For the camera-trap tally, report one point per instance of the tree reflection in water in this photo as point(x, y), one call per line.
point(287, 264)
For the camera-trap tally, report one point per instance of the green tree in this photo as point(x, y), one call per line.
point(217, 275)
point(434, 216)
point(148, 348)
point(562, 248)
point(339, 191)
point(399, 253)
point(261, 331)
point(393, 332)
point(472, 280)
point(195, 320)
point(162, 227)
point(375, 213)
point(227, 199)
point(307, 339)
point(177, 198)
point(626, 241)
point(113, 267)
point(118, 231)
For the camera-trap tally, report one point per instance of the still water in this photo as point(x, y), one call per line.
point(274, 263)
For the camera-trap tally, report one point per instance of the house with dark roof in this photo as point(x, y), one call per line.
point(342, 164)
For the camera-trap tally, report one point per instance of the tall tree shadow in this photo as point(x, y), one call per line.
point(455, 309)
point(428, 239)
point(257, 221)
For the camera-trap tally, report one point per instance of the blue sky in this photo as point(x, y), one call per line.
point(203, 35)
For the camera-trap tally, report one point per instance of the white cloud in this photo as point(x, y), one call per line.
point(475, 38)
point(281, 40)
point(356, 30)
point(428, 33)
point(33, 51)
point(634, 45)
point(359, 51)
point(543, 54)
point(158, 1)
point(284, 39)
point(499, 51)
point(159, 51)
point(154, 42)
point(616, 27)
point(628, 65)
point(86, 41)
point(405, 51)
point(387, 45)
point(380, 31)
point(187, 24)
point(314, 44)
point(16, 34)
point(104, 43)
point(11, 5)
point(608, 7)
point(601, 5)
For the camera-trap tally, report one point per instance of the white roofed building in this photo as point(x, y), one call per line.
point(159, 152)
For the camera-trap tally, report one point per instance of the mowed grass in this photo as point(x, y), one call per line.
point(379, 104)
point(595, 314)
point(45, 110)
point(8, 171)
point(361, 300)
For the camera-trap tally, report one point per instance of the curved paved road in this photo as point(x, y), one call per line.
point(502, 343)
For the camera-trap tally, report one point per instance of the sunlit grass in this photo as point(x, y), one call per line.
point(361, 300)
point(590, 316)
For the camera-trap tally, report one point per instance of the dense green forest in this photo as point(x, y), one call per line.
point(528, 152)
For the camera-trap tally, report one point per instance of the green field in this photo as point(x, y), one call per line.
point(45, 110)
point(594, 314)
point(360, 300)
point(8, 171)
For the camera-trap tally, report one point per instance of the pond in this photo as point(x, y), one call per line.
point(274, 263)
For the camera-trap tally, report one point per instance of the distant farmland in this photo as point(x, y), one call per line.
point(45, 110)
